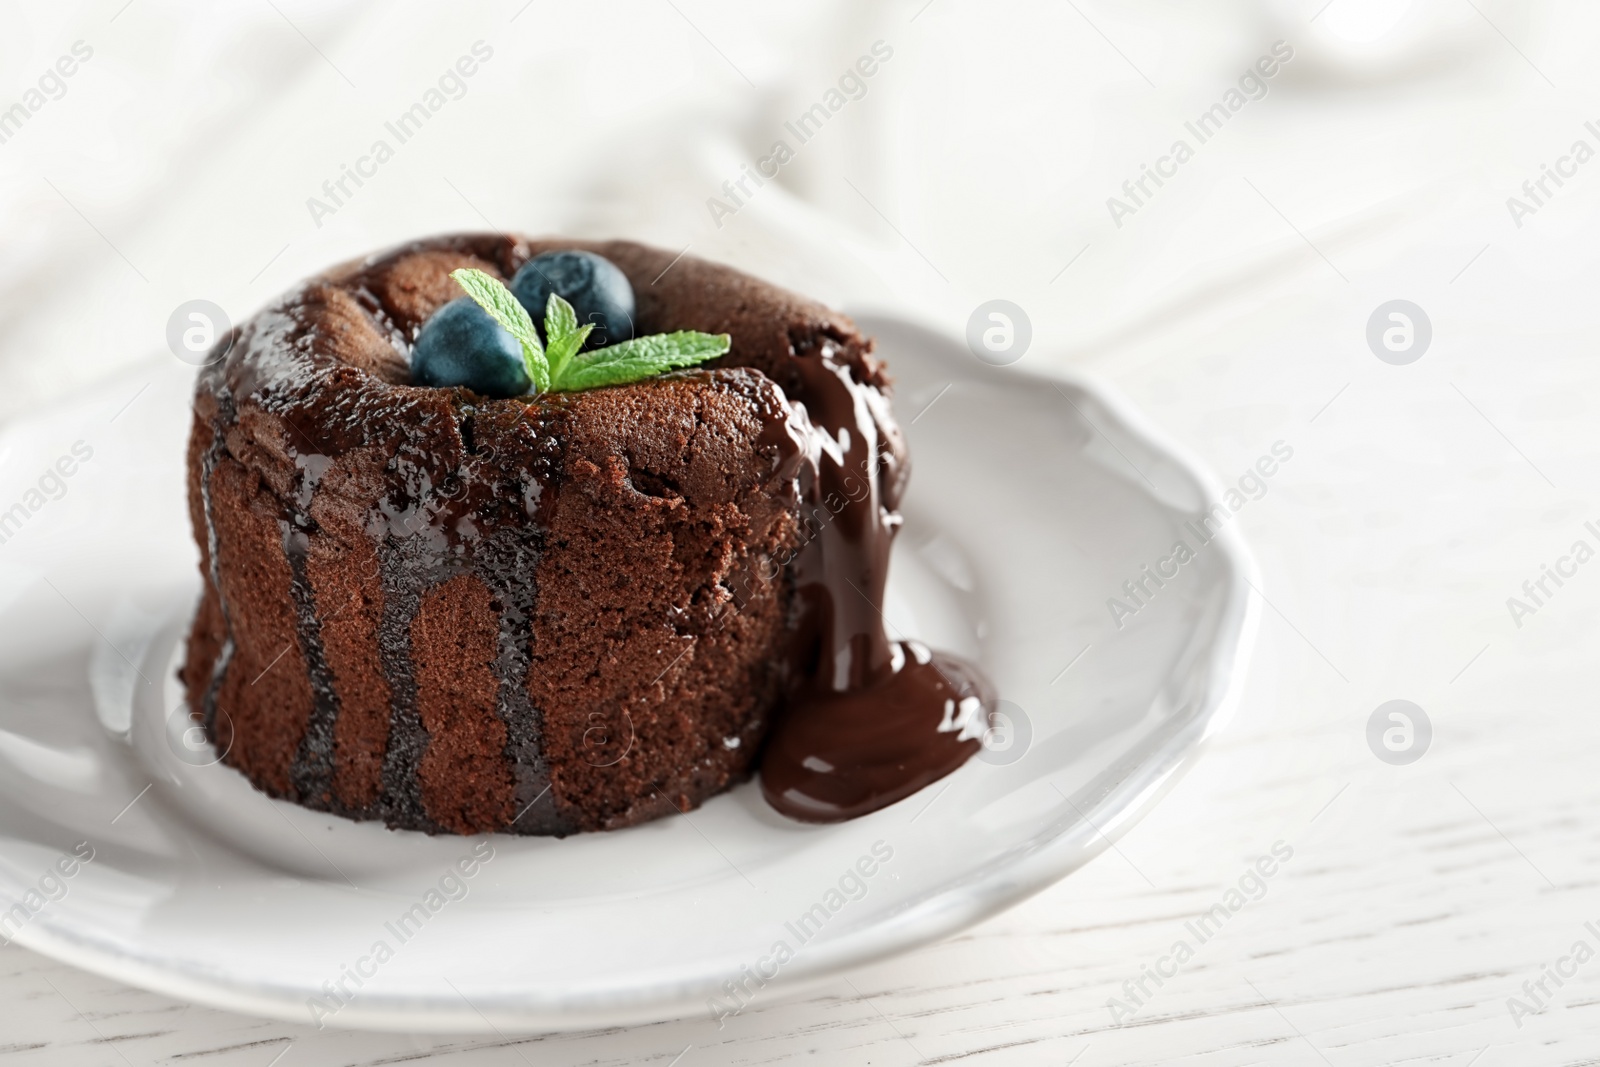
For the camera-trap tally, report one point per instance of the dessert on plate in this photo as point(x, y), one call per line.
point(551, 536)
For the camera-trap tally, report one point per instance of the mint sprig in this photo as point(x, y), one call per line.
point(642, 357)
point(560, 366)
point(566, 336)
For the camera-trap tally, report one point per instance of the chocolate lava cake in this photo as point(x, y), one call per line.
point(549, 613)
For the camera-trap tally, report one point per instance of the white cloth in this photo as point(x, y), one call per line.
point(179, 159)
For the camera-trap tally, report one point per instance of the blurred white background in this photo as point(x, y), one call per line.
point(1231, 305)
point(178, 161)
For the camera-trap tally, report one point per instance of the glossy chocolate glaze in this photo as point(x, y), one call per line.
point(873, 720)
point(222, 408)
point(840, 754)
point(445, 512)
point(869, 720)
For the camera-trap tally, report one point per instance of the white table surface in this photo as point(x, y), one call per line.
point(1419, 898)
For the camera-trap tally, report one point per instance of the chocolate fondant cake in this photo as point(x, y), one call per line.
point(560, 611)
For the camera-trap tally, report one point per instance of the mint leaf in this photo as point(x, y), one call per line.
point(492, 295)
point(642, 357)
point(562, 332)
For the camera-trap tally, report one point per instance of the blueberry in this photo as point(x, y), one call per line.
point(592, 284)
point(462, 345)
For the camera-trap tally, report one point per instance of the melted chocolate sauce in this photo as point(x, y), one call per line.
point(837, 755)
point(874, 720)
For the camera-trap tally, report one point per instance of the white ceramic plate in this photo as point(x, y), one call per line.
point(1032, 501)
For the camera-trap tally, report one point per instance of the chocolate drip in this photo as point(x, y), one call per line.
point(844, 754)
point(415, 554)
point(219, 667)
point(444, 512)
point(404, 579)
point(311, 772)
point(477, 519)
point(506, 565)
point(875, 720)
point(856, 478)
